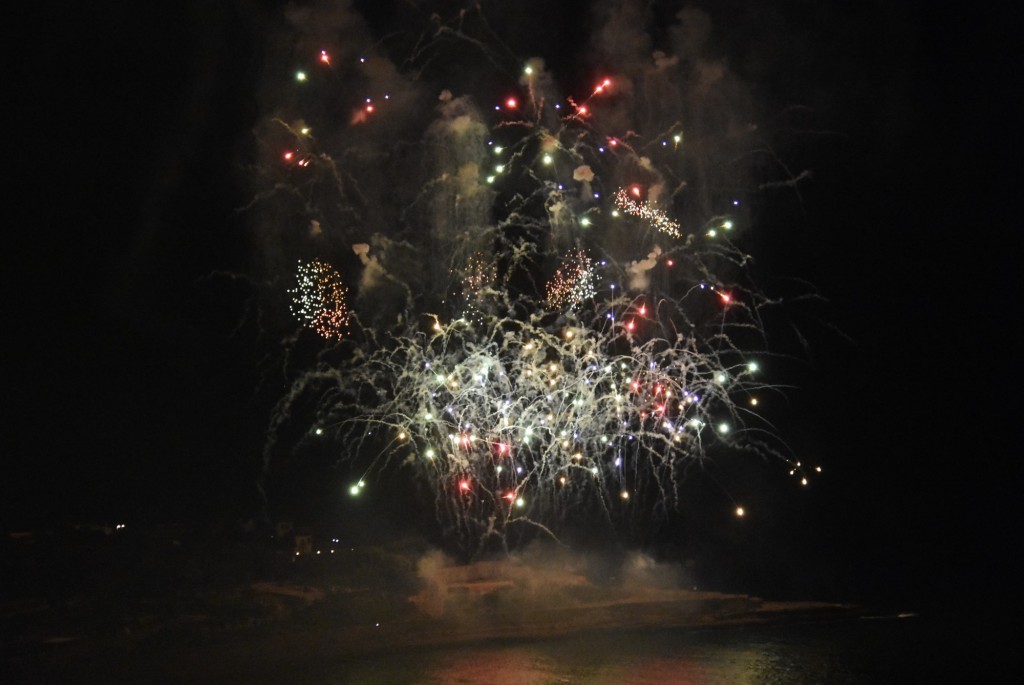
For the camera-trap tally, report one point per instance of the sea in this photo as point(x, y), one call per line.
point(899, 648)
point(896, 648)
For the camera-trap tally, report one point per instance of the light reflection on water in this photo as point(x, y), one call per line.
point(853, 652)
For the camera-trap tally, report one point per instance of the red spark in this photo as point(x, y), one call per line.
point(510, 496)
point(288, 156)
point(630, 325)
point(726, 298)
point(324, 57)
point(670, 262)
point(464, 485)
point(511, 103)
point(635, 190)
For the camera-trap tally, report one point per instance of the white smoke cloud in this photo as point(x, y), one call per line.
point(583, 173)
point(638, 270)
point(458, 137)
point(561, 217)
point(373, 274)
point(642, 574)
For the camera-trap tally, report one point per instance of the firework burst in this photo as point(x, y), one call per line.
point(478, 280)
point(573, 282)
point(318, 301)
point(645, 211)
point(520, 409)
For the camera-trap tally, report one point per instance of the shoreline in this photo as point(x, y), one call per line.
point(652, 614)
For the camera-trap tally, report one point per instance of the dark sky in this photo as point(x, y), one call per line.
point(129, 394)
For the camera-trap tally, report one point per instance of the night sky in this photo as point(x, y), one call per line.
point(133, 368)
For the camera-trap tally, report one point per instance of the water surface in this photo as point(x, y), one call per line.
point(856, 651)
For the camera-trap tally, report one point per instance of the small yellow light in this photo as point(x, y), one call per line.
point(740, 512)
